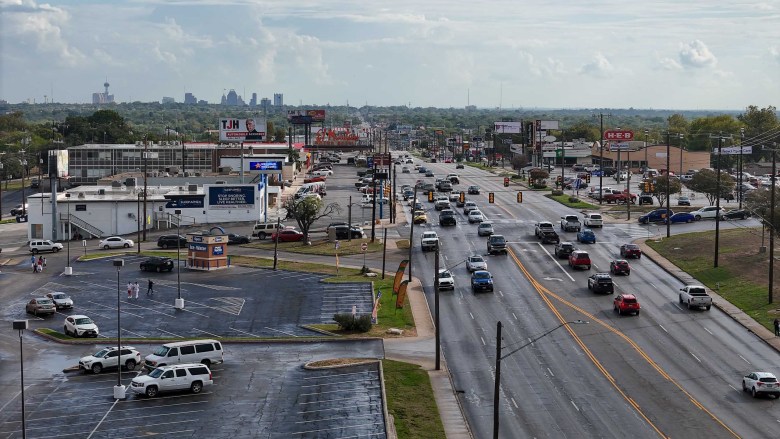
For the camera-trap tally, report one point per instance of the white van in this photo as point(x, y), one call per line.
point(651, 173)
point(311, 188)
point(206, 352)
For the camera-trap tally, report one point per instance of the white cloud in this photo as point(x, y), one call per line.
point(774, 52)
point(599, 67)
point(43, 24)
point(696, 54)
point(669, 63)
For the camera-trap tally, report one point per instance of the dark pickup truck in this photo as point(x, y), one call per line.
point(549, 237)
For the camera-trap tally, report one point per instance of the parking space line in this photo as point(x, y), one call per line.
point(339, 391)
point(243, 332)
point(350, 416)
point(111, 308)
point(134, 333)
point(339, 427)
point(336, 408)
point(116, 401)
point(369, 397)
point(171, 333)
point(206, 332)
point(286, 333)
point(333, 384)
point(367, 372)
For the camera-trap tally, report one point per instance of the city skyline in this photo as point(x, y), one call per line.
point(603, 54)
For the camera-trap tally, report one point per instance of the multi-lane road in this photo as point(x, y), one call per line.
point(669, 372)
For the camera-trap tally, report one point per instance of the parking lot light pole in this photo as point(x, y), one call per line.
point(119, 389)
point(21, 325)
point(68, 268)
point(499, 357)
point(647, 132)
point(717, 204)
point(179, 302)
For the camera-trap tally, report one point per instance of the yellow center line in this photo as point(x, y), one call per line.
point(546, 294)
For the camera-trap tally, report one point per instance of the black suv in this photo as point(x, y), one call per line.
point(343, 231)
point(236, 239)
point(563, 249)
point(157, 264)
point(447, 218)
point(170, 241)
point(496, 244)
point(601, 283)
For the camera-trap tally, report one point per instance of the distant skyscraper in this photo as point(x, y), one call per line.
point(168, 100)
point(253, 102)
point(278, 99)
point(189, 98)
point(265, 104)
point(232, 98)
point(103, 98)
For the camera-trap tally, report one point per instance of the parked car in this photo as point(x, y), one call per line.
point(737, 214)
point(680, 217)
point(579, 258)
point(115, 242)
point(175, 377)
point(619, 266)
point(20, 209)
point(485, 229)
point(171, 241)
point(40, 305)
point(625, 304)
point(44, 245)
point(586, 236)
point(761, 383)
point(682, 200)
point(601, 283)
point(475, 262)
point(708, 212)
point(481, 280)
point(237, 239)
point(563, 249)
point(111, 358)
point(61, 300)
point(645, 199)
point(655, 216)
point(287, 235)
point(446, 281)
point(80, 326)
point(158, 264)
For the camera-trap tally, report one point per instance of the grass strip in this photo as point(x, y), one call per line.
point(410, 401)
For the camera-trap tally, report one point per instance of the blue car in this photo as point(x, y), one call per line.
point(586, 236)
point(481, 280)
point(681, 217)
point(422, 170)
point(656, 216)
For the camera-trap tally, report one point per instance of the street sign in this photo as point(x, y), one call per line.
point(507, 141)
point(734, 150)
point(618, 135)
point(364, 247)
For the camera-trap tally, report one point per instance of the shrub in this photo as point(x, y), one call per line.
point(557, 192)
point(539, 185)
point(347, 322)
point(574, 200)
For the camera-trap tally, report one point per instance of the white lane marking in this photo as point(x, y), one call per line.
point(678, 307)
point(206, 332)
point(551, 372)
point(708, 331)
point(472, 315)
point(736, 390)
point(501, 293)
point(513, 315)
point(517, 407)
point(744, 359)
point(483, 341)
point(175, 335)
point(446, 258)
point(285, 333)
point(694, 356)
point(653, 285)
point(661, 326)
point(243, 332)
point(555, 260)
point(575, 406)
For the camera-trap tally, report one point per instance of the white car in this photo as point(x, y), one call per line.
point(115, 242)
point(322, 173)
point(61, 300)
point(446, 281)
point(80, 326)
point(476, 262)
point(469, 206)
point(405, 170)
point(107, 358)
point(475, 216)
point(191, 376)
point(593, 220)
point(707, 212)
point(485, 229)
point(761, 383)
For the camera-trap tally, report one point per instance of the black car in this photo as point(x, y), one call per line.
point(171, 241)
point(564, 249)
point(459, 166)
point(473, 190)
point(157, 264)
point(601, 283)
point(343, 231)
point(447, 218)
point(237, 239)
point(737, 214)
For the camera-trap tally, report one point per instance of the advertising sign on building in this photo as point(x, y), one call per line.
point(618, 135)
point(507, 127)
point(231, 197)
point(184, 201)
point(266, 166)
point(305, 116)
point(242, 130)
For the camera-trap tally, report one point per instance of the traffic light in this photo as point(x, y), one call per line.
point(519, 197)
point(506, 182)
point(652, 188)
point(462, 197)
point(587, 177)
point(646, 186)
point(387, 191)
point(430, 195)
point(491, 198)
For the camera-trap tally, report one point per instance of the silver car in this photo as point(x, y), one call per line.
point(485, 229)
point(61, 300)
point(476, 262)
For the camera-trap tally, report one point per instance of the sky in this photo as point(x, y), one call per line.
point(652, 54)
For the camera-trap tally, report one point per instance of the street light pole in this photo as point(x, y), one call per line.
point(647, 132)
point(739, 177)
point(21, 325)
point(772, 227)
point(411, 233)
point(68, 268)
point(668, 189)
point(179, 302)
point(119, 389)
point(717, 204)
point(499, 357)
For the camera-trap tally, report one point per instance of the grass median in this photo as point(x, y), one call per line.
point(579, 204)
point(410, 401)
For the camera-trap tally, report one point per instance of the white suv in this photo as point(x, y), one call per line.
point(177, 377)
point(107, 358)
point(44, 245)
point(707, 212)
point(593, 220)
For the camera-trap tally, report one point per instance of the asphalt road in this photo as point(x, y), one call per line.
point(669, 372)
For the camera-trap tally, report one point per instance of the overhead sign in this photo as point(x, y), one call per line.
point(618, 135)
point(507, 127)
point(240, 130)
point(735, 150)
point(266, 166)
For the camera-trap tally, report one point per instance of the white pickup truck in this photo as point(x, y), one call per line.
point(695, 296)
point(429, 241)
point(570, 223)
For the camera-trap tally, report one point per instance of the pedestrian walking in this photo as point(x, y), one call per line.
point(40, 260)
point(34, 266)
point(39, 267)
point(129, 290)
point(777, 327)
point(150, 288)
point(44, 261)
point(136, 290)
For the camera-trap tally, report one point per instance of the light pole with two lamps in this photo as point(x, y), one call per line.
point(119, 389)
point(499, 357)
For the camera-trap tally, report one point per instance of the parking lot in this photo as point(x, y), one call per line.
point(235, 302)
point(261, 390)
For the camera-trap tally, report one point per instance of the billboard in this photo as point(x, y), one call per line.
point(542, 125)
point(242, 130)
point(266, 166)
point(305, 116)
point(231, 197)
point(58, 163)
point(507, 127)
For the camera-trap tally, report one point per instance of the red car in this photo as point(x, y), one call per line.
point(288, 236)
point(619, 266)
point(315, 179)
point(626, 304)
point(630, 251)
point(579, 258)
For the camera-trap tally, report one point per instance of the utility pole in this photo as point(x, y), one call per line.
point(436, 307)
point(411, 234)
point(497, 384)
point(772, 227)
point(668, 190)
point(601, 157)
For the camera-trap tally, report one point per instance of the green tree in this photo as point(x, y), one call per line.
point(759, 203)
point(659, 188)
point(706, 182)
point(306, 210)
point(677, 123)
point(759, 122)
point(703, 132)
point(537, 178)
